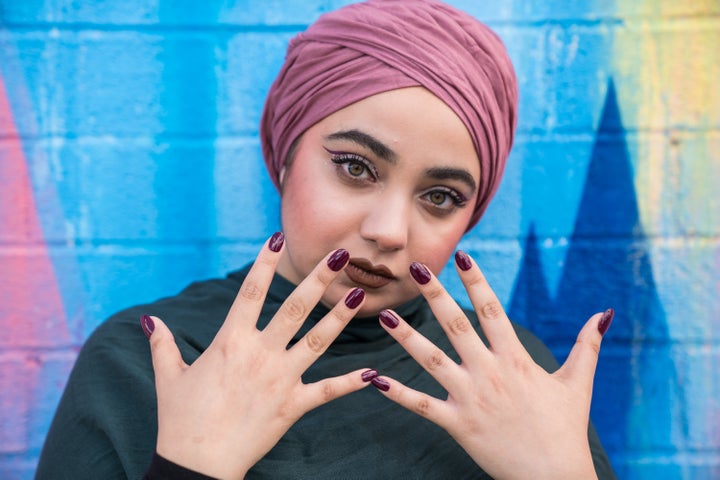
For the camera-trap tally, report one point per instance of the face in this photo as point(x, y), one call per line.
point(392, 179)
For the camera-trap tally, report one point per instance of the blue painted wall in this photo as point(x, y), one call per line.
point(129, 160)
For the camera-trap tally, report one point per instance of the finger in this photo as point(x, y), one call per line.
point(295, 309)
point(435, 410)
point(317, 340)
point(451, 317)
point(579, 368)
point(166, 359)
point(491, 314)
point(318, 393)
point(248, 303)
point(427, 354)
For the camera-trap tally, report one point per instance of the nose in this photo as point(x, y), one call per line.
point(387, 222)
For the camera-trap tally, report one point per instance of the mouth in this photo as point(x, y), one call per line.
point(365, 274)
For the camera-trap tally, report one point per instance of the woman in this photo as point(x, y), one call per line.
point(386, 132)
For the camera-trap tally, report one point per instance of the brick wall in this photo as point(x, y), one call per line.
point(130, 165)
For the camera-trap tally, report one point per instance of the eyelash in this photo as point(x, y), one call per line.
point(345, 159)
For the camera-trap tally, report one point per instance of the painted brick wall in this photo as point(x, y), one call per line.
point(130, 166)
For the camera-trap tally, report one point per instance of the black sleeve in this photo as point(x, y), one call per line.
point(162, 469)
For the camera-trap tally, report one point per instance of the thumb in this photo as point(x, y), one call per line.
point(579, 368)
point(166, 358)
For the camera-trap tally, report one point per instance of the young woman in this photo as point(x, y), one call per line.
point(386, 132)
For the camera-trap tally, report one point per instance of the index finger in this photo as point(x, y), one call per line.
point(249, 301)
point(452, 318)
point(491, 314)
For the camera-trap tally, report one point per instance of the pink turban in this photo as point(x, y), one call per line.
point(368, 48)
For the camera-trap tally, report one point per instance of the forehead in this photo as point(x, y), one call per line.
point(412, 123)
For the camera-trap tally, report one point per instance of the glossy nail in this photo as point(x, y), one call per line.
point(368, 375)
point(420, 273)
point(338, 259)
point(381, 384)
point(606, 320)
point(276, 241)
point(388, 319)
point(355, 298)
point(147, 324)
point(463, 261)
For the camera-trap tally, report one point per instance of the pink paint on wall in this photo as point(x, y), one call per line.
point(32, 317)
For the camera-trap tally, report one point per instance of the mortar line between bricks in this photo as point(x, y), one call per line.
point(494, 22)
point(522, 133)
point(40, 246)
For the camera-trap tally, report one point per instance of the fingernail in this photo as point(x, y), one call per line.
point(147, 324)
point(276, 241)
point(338, 259)
point(463, 261)
point(380, 384)
point(606, 320)
point(388, 319)
point(355, 298)
point(368, 375)
point(420, 273)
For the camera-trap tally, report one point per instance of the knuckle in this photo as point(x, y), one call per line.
point(403, 334)
point(434, 292)
point(458, 325)
point(586, 343)
point(294, 309)
point(325, 277)
point(434, 360)
point(328, 391)
point(422, 407)
point(314, 342)
point(250, 291)
point(476, 281)
point(492, 310)
point(521, 364)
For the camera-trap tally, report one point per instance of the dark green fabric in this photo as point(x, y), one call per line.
point(106, 426)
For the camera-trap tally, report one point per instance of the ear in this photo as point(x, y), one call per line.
point(281, 177)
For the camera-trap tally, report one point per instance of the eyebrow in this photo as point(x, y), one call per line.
point(447, 173)
point(387, 154)
point(365, 140)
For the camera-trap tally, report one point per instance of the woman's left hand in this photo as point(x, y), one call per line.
point(511, 416)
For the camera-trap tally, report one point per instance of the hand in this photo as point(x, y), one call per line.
point(221, 414)
point(512, 417)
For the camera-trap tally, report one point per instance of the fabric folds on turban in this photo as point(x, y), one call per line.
point(368, 48)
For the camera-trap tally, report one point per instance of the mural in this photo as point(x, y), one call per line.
point(129, 166)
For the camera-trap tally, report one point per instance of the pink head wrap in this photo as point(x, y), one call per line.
point(368, 48)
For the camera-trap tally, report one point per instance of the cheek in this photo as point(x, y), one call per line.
point(435, 246)
point(310, 209)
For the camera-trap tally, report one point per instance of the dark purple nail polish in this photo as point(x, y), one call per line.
point(463, 261)
point(147, 324)
point(606, 320)
point(338, 259)
point(420, 273)
point(388, 319)
point(355, 298)
point(380, 384)
point(368, 375)
point(276, 241)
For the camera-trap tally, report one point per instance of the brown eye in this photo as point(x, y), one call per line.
point(356, 169)
point(438, 198)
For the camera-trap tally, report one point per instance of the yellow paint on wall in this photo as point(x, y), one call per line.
point(666, 69)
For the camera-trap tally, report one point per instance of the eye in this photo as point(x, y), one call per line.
point(443, 201)
point(438, 198)
point(353, 166)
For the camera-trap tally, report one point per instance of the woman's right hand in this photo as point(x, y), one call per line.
point(221, 414)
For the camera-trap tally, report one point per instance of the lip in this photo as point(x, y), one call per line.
point(364, 273)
